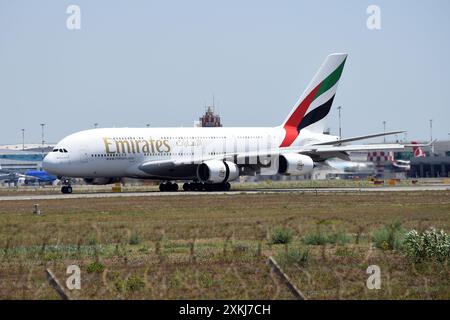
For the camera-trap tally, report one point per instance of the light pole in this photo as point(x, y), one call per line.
point(431, 129)
point(42, 136)
point(23, 139)
point(384, 131)
point(340, 128)
point(431, 136)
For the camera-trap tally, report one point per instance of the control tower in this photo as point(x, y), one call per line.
point(210, 118)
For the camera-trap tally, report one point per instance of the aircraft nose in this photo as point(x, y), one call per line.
point(49, 163)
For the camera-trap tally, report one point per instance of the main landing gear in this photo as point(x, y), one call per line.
point(199, 186)
point(66, 187)
point(194, 186)
point(168, 186)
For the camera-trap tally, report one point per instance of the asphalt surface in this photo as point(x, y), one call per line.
point(232, 192)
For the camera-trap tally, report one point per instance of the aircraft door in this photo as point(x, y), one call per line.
point(268, 160)
point(84, 155)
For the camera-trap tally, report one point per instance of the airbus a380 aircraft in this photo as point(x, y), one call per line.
point(209, 158)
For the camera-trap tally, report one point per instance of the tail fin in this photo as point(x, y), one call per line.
point(315, 103)
point(418, 151)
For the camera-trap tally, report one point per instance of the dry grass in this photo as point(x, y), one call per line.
point(212, 246)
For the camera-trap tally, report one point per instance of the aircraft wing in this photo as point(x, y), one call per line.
point(317, 152)
point(261, 158)
point(352, 147)
point(369, 136)
point(321, 152)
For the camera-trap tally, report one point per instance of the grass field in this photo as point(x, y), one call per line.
point(217, 246)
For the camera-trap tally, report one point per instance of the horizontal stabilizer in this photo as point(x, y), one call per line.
point(414, 145)
point(341, 141)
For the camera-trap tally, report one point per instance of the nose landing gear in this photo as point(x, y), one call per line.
point(66, 187)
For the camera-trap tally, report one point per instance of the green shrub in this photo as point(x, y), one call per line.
point(135, 238)
point(340, 238)
point(296, 256)
point(92, 240)
point(134, 283)
point(390, 237)
point(281, 236)
point(96, 267)
point(144, 249)
point(316, 238)
point(428, 245)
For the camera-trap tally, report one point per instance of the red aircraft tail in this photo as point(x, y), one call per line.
point(418, 151)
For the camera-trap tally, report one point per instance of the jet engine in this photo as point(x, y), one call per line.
point(101, 181)
point(216, 171)
point(295, 164)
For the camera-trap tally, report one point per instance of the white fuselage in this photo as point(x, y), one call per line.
point(118, 152)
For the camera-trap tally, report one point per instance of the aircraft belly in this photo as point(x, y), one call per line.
point(111, 168)
point(187, 171)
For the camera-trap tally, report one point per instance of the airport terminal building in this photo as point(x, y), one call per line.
point(436, 165)
point(18, 158)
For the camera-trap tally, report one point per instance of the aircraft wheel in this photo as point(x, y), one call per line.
point(186, 186)
point(162, 187)
point(198, 186)
point(174, 187)
point(66, 189)
point(227, 186)
point(214, 187)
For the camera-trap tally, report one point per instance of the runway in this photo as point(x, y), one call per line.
point(230, 193)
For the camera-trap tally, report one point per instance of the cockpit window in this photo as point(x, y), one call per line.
point(62, 150)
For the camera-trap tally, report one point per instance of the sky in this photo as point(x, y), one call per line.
point(133, 63)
